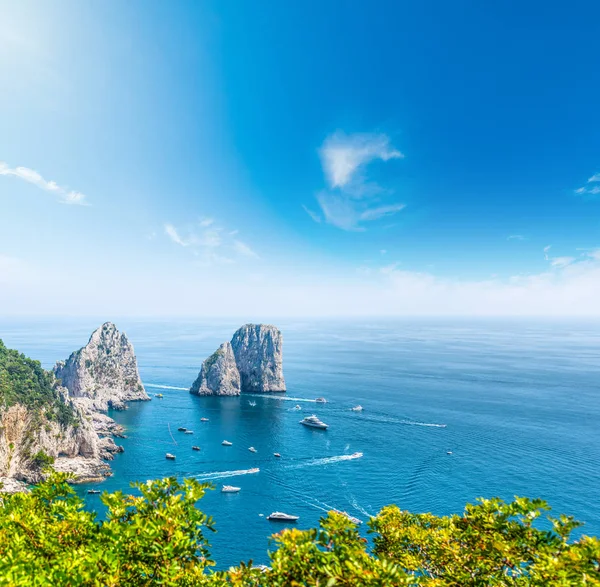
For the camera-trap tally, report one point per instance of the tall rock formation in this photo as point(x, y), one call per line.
point(252, 362)
point(258, 355)
point(219, 374)
point(104, 371)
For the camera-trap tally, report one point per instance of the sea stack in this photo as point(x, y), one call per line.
point(252, 362)
point(104, 371)
point(219, 374)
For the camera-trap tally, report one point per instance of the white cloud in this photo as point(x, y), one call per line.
point(595, 177)
point(205, 221)
point(594, 191)
point(561, 261)
point(546, 249)
point(352, 200)
point(342, 155)
point(312, 214)
point(66, 196)
point(515, 237)
point(244, 249)
point(174, 235)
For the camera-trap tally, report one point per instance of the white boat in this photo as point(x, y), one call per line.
point(203, 419)
point(195, 448)
point(358, 408)
point(252, 449)
point(321, 400)
point(449, 452)
point(356, 455)
point(281, 517)
point(313, 422)
point(297, 407)
point(276, 454)
point(227, 443)
point(351, 518)
point(189, 432)
point(230, 489)
point(170, 456)
point(254, 470)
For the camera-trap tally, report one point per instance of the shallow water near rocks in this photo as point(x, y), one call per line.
point(515, 402)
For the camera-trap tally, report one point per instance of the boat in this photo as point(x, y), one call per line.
point(321, 400)
point(189, 432)
point(230, 489)
point(170, 456)
point(93, 491)
point(349, 517)
point(313, 422)
point(227, 443)
point(254, 470)
point(181, 429)
point(358, 408)
point(449, 452)
point(195, 448)
point(281, 517)
point(356, 455)
point(203, 419)
point(251, 403)
point(276, 454)
point(252, 449)
point(297, 407)
point(158, 395)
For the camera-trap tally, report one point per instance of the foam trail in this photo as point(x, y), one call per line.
point(411, 423)
point(283, 399)
point(223, 474)
point(326, 461)
point(157, 386)
point(358, 507)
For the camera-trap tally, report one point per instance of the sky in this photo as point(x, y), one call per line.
point(315, 158)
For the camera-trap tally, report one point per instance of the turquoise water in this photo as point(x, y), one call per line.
point(517, 404)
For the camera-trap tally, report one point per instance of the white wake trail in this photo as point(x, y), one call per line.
point(326, 461)
point(157, 386)
point(224, 474)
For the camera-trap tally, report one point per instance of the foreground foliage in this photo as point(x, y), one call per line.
point(159, 538)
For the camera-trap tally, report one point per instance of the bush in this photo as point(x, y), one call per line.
point(158, 538)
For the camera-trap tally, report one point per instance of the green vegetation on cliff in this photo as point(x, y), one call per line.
point(23, 381)
point(159, 538)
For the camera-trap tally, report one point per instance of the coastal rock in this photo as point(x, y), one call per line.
point(219, 374)
point(9, 485)
point(258, 356)
point(252, 362)
point(104, 371)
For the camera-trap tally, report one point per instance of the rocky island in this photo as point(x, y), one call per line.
point(251, 362)
point(56, 418)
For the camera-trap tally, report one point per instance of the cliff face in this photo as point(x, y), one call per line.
point(219, 374)
point(104, 371)
point(258, 355)
point(252, 362)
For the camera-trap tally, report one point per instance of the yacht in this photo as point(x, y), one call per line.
point(276, 454)
point(321, 400)
point(230, 489)
point(93, 491)
point(358, 408)
point(195, 448)
point(189, 432)
point(449, 452)
point(349, 517)
point(227, 443)
point(170, 456)
point(281, 517)
point(181, 429)
point(203, 419)
point(252, 449)
point(313, 422)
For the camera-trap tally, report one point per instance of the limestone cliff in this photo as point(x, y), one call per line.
point(252, 362)
point(219, 374)
point(104, 372)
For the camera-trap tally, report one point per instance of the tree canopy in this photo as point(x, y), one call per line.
point(160, 537)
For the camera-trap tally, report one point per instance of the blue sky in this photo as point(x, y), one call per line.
point(299, 158)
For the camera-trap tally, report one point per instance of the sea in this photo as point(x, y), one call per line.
point(454, 410)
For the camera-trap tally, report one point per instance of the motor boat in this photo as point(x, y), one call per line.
point(281, 517)
point(449, 452)
point(195, 448)
point(349, 517)
point(181, 429)
point(356, 455)
point(189, 432)
point(252, 449)
point(358, 408)
point(170, 456)
point(93, 491)
point(276, 454)
point(230, 489)
point(321, 400)
point(297, 407)
point(227, 443)
point(203, 419)
point(158, 395)
point(313, 422)
point(254, 470)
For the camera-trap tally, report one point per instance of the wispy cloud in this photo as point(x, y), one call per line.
point(546, 249)
point(515, 237)
point(208, 241)
point(65, 195)
point(561, 261)
point(351, 200)
point(594, 190)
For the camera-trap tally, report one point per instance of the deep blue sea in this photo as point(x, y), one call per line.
point(516, 402)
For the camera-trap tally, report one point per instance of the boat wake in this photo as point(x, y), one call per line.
point(282, 398)
point(157, 386)
point(223, 474)
point(326, 461)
